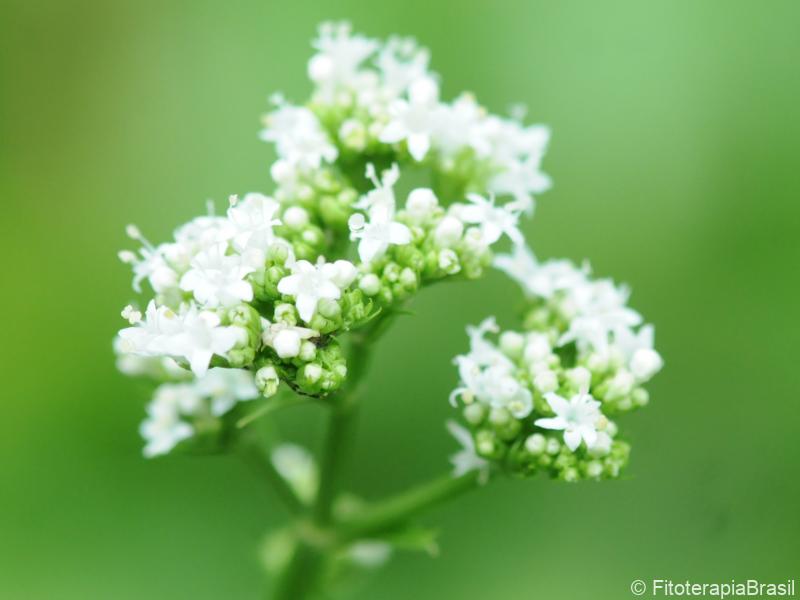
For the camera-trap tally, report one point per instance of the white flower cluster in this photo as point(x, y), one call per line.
point(373, 99)
point(270, 286)
point(178, 410)
point(543, 398)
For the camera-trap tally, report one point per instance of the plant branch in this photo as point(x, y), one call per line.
point(387, 514)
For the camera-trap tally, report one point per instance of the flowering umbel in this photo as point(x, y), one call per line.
point(544, 398)
point(269, 288)
point(382, 187)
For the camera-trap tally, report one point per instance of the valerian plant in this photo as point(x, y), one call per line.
point(281, 300)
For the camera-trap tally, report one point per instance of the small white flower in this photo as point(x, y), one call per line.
point(309, 284)
point(638, 352)
point(163, 428)
point(200, 338)
point(149, 336)
point(577, 417)
point(298, 137)
point(466, 459)
point(401, 62)
point(381, 199)
point(217, 278)
point(225, 387)
point(339, 56)
point(378, 234)
point(414, 120)
point(252, 220)
point(493, 221)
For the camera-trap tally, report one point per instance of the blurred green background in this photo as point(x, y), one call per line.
point(675, 157)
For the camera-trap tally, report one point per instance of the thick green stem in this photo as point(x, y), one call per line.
point(301, 576)
point(387, 514)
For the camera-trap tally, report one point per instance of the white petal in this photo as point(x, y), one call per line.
point(418, 145)
point(572, 439)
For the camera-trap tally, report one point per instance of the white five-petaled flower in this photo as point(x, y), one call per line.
point(579, 418)
point(378, 234)
point(638, 352)
point(340, 54)
point(200, 338)
point(217, 278)
point(492, 221)
point(150, 336)
point(298, 136)
point(414, 120)
point(163, 428)
point(466, 459)
point(252, 219)
point(225, 387)
point(311, 283)
point(540, 279)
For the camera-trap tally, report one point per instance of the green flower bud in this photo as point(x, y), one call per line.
point(285, 313)
point(329, 309)
point(308, 351)
point(536, 444)
point(267, 380)
point(475, 413)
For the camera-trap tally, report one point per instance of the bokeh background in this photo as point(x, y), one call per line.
point(675, 157)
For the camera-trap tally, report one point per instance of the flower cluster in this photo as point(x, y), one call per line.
point(379, 102)
point(269, 288)
point(543, 399)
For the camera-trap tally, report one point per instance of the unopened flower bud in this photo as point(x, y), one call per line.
point(295, 217)
point(449, 231)
point(512, 343)
point(267, 380)
point(370, 284)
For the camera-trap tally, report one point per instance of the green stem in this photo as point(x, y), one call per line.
point(387, 514)
point(300, 578)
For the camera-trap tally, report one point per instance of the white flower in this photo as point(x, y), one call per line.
point(198, 234)
point(217, 279)
point(466, 459)
point(225, 387)
point(285, 339)
point(163, 428)
point(578, 418)
point(340, 54)
point(637, 350)
point(540, 279)
point(401, 62)
point(381, 199)
point(252, 220)
point(521, 179)
point(600, 308)
point(456, 124)
point(149, 336)
point(309, 284)
point(378, 234)
point(201, 337)
point(492, 221)
point(414, 120)
point(298, 137)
